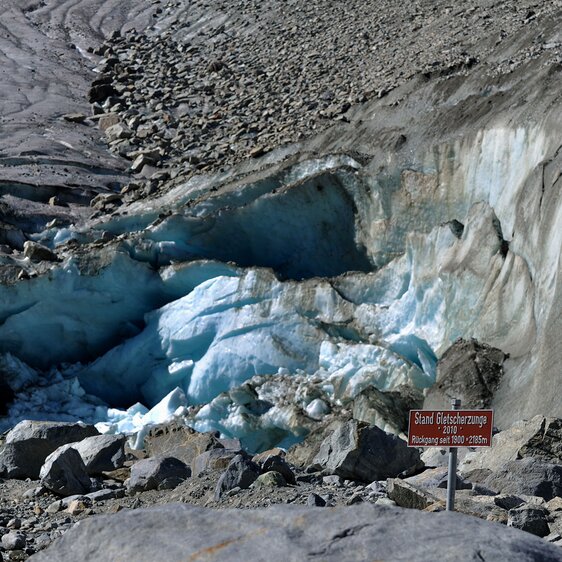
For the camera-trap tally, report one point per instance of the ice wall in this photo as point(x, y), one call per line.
point(323, 267)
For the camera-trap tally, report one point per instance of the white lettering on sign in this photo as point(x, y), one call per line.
point(424, 420)
point(456, 419)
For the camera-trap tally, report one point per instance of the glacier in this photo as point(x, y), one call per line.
point(336, 273)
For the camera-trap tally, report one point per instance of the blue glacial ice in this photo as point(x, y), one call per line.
point(322, 271)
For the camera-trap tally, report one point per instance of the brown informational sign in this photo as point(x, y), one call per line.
point(450, 428)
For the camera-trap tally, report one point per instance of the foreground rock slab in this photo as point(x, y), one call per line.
point(294, 534)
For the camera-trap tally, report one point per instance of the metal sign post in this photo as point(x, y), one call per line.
point(452, 475)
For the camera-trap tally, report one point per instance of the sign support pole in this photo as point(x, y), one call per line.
point(452, 475)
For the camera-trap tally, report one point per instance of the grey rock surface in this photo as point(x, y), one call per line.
point(214, 459)
point(275, 462)
point(284, 533)
point(387, 410)
point(469, 371)
point(160, 473)
point(539, 437)
point(176, 440)
point(271, 479)
point(240, 473)
point(13, 541)
point(64, 473)
point(29, 443)
point(38, 252)
point(357, 451)
point(527, 476)
point(530, 519)
point(101, 452)
point(408, 495)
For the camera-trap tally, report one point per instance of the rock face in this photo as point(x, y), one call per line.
point(295, 534)
point(469, 371)
point(30, 442)
point(387, 410)
point(357, 451)
point(215, 459)
point(530, 519)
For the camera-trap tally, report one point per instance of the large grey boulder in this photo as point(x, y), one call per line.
point(530, 477)
point(214, 459)
point(539, 437)
point(101, 452)
point(405, 494)
point(387, 409)
point(37, 252)
point(293, 534)
point(302, 454)
point(240, 473)
point(468, 370)
point(29, 443)
point(64, 473)
point(530, 519)
point(162, 473)
point(358, 451)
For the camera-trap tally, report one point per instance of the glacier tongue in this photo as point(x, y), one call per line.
point(322, 270)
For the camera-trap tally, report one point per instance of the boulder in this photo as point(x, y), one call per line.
point(468, 370)
point(387, 409)
point(530, 519)
point(241, 473)
point(546, 443)
point(314, 500)
point(37, 252)
point(437, 478)
point(407, 495)
point(117, 132)
point(100, 92)
point(13, 541)
point(508, 501)
point(271, 479)
point(529, 477)
point(64, 473)
point(555, 504)
point(162, 473)
point(276, 462)
point(177, 440)
point(302, 454)
point(101, 452)
point(29, 443)
point(108, 120)
point(214, 459)
point(540, 437)
point(294, 533)
point(358, 451)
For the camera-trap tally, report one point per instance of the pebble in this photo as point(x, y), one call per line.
point(13, 541)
